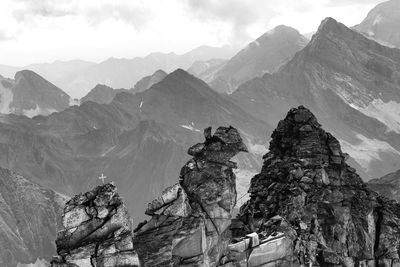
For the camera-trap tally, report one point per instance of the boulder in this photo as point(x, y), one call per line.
point(97, 231)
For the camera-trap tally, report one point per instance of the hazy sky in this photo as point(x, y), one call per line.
point(49, 30)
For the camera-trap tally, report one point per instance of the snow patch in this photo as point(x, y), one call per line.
point(377, 20)
point(387, 113)
point(190, 127)
point(74, 102)
point(30, 113)
point(140, 106)
point(6, 98)
point(367, 150)
point(38, 263)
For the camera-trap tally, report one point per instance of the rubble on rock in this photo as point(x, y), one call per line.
point(190, 223)
point(97, 231)
point(309, 208)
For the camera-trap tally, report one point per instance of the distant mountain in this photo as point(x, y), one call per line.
point(205, 69)
point(388, 185)
point(76, 77)
point(351, 82)
point(148, 81)
point(124, 73)
point(382, 23)
point(137, 140)
point(30, 216)
point(101, 94)
point(264, 55)
point(30, 94)
point(58, 72)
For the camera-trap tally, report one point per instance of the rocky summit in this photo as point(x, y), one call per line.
point(97, 231)
point(190, 221)
point(308, 207)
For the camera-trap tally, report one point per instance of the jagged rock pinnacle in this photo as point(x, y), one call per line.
point(190, 220)
point(307, 193)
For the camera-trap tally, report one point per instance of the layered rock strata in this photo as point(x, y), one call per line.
point(314, 205)
point(97, 231)
point(190, 222)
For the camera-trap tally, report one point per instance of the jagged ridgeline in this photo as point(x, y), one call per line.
point(307, 207)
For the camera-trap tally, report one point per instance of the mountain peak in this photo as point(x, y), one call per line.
point(329, 25)
point(26, 74)
point(300, 135)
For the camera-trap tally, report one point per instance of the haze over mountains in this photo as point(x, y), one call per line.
point(137, 136)
point(382, 23)
point(265, 54)
point(78, 77)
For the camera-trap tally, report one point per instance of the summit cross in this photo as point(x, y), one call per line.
point(102, 177)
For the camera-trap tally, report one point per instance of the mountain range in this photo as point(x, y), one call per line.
point(137, 140)
point(264, 55)
point(138, 136)
point(351, 82)
point(76, 77)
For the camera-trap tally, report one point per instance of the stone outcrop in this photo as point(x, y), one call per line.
point(308, 207)
point(190, 223)
point(97, 231)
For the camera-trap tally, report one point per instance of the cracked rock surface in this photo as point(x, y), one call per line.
point(97, 231)
point(190, 223)
point(307, 191)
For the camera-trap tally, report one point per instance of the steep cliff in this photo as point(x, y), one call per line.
point(29, 219)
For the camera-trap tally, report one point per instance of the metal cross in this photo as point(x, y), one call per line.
point(102, 177)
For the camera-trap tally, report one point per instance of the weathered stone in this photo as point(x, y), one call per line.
point(190, 224)
point(329, 216)
point(97, 232)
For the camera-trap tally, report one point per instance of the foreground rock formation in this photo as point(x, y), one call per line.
point(308, 207)
point(96, 231)
point(190, 223)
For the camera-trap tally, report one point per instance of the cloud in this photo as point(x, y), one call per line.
point(132, 15)
point(28, 9)
point(353, 2)
point(4, 36)
point(241, 14)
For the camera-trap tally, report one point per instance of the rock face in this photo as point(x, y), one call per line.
point(29, 218)
point(97, 231)
point(190, 223)
point(309, 208)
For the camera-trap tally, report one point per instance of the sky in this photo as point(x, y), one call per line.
point(39, 31)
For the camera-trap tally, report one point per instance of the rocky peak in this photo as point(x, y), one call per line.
point(97, 231)
point(310, 199)
point(190, 223)
point(300, 136)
